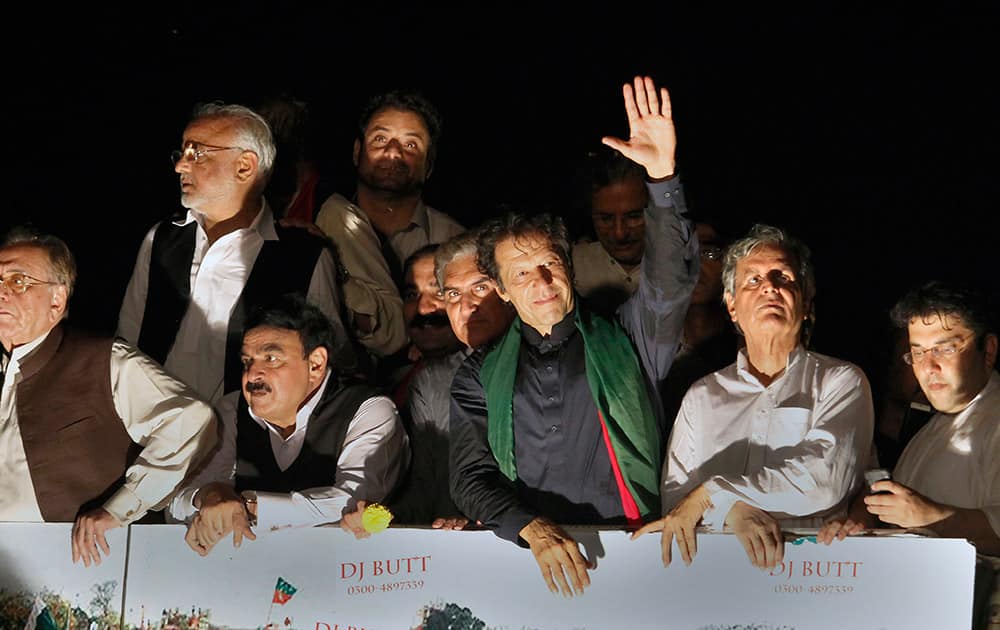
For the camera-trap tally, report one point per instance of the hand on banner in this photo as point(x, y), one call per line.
point(455, 523)
point(838, 529)
point(88, 535)
point(353, 522)
point(759, 533)
point(558, 556)
point(680, 524)
point(652, 141)
point(220, 512)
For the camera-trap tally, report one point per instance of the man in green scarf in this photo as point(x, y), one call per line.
point(559, 421)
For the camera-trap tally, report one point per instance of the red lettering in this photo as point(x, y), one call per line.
point(344, 574)
point(376, 567)
point(807, 567)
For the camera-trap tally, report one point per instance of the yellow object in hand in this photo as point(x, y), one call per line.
point(375, 518)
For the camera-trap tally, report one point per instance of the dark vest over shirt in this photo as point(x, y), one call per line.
point(316, 464)
point(282, 266)
point(75, 443)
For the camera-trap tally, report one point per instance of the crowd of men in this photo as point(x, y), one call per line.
point(273, 371)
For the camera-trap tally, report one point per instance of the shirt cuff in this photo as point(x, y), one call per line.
point(182, 505)
point(511, 524)
point(666, 194)
point(125, 506)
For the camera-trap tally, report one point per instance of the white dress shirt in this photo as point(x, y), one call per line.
point(955, 458)
point(160, 413)
point(219, 272)
point(595, 270)
point(796, 448)
point(375, 454)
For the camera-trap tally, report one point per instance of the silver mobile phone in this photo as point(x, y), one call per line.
point(876, 474)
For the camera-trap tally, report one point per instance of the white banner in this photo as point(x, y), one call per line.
point(402, 579)
point(36, 560)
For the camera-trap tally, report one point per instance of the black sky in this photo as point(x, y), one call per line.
point(870, 134)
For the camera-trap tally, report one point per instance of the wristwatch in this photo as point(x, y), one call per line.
point(250, 505)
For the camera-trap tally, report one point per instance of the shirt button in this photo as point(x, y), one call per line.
point(552, 398)
point(666, 195)
point(548, 368)
point(553, 429)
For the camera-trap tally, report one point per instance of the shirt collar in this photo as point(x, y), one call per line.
point(743, 364)
point(302, 415)
point(420, 217)
point(263, 223)
point(561, 331)
point(20, 353)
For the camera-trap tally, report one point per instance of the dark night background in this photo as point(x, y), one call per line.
point(870, 134)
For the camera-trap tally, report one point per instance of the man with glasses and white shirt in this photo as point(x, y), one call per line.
point(92, 431)
point(197, 275)
point(947, 479)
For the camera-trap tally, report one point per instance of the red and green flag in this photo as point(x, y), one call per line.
point(283, 592)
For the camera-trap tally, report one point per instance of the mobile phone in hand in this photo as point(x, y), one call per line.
point(876, 474)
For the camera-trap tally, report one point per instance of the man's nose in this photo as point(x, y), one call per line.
point(428, 304)
point(393, 148)
point(544, 274)
point(619, 230)
point(931, 362)
point(470, 302)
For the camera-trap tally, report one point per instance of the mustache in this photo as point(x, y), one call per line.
point(437, 320)
point(393, 165)
point(257, 386)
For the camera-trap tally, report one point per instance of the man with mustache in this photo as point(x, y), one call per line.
point(306, 446)
point(613, 189)
point(387, 220)
point(778, 439)
point(474, 315)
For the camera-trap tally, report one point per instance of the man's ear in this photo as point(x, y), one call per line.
point(317, 363)
point(247, 166)
point(58, 303)
point(503, 294)
point(991, 350)
point(730, 305)
point(357, 152)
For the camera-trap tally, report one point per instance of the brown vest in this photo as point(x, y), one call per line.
point(74, 441)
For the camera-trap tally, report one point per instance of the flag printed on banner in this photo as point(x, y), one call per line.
point(40, 618)
point(283, 592)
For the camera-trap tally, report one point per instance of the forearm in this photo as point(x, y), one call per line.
point(654, 315)
point(175, 429)
point(381, 309)
point(968, 523)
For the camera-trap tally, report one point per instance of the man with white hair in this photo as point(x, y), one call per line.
point(778, 439)
point(92, 431)
point(197, 275)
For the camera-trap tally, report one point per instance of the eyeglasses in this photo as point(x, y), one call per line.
point(18, 282)
point(711, 252)
point(942, 352)
point(195, 152)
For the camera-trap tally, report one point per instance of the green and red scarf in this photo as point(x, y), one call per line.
point(618, 387)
